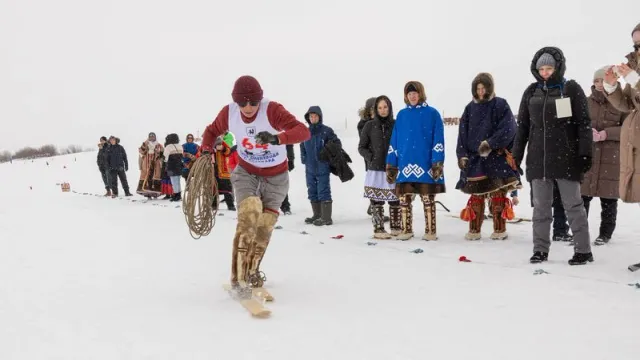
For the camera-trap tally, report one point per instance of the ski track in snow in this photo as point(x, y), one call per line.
point(86, 277)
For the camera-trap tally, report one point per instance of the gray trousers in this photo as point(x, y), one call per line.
point(271, 190)
point(573, 206)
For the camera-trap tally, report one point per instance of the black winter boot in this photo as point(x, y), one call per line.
point(315, 206)
point(176, 197)
point(539, 257)
point(581, 259)
point(325, 218)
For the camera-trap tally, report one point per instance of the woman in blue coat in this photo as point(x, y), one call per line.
point(415, 159)
point(487, 170)
point(317, 171)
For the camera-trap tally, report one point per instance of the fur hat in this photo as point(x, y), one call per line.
point(544, 60)
point(415, 86)
point(246, 88)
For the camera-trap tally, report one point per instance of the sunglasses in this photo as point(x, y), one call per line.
point(252, 103)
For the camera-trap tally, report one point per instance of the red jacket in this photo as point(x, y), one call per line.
point(293, 132)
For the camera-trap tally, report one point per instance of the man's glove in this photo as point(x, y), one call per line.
point(484, 149)
point(392, 174)
point(436, 170)
point(126, 168)
point(462, 163)
point(291, 165)
point(265, 137)
point(585, 162)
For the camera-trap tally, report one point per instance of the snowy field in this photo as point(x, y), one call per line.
point(85, 277)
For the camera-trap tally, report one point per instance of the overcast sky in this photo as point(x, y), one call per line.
point(73, 70)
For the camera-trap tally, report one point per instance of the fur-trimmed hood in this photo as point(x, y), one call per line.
point(561, 65)
point(487, 80)
point(418, 85)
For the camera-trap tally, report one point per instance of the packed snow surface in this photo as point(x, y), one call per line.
point(88, 277)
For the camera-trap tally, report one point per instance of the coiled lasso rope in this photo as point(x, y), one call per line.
point(198, 197)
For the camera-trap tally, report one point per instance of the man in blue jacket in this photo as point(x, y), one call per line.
point(317, 171)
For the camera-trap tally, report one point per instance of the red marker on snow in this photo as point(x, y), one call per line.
point(463, 259)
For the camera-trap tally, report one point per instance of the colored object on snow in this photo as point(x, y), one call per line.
point(337, 237)
point(463, 259)
point(417, 251)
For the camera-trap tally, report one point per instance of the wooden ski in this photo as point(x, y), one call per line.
point(254, 305)
point(262, 293)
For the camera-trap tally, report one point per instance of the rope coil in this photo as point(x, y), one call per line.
point(198, 197)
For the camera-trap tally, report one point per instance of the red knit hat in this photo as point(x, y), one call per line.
point(246, 88)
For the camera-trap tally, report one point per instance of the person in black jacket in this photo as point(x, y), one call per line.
point(555, 128)
point(366, 114)
point(286, 206)
point(118, 166)
point(103, 152)
point(373, 145)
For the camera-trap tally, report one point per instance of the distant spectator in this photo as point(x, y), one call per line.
point(102, 160)
point(189, 150)
point(173, 159)
point(118, 165)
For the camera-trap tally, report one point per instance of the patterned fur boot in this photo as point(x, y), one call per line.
point(475, 225)
point(395, 212)
point(266, 222)
point(378, 222)
point(249, 211)
point(406, 217)
point(498, 202)
point(429, 204)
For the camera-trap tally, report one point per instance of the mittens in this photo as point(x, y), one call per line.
point(462, 163)
point(603, 135)
point(484, 149)
point(392, 174)
point(436, 170)
point(265, 137)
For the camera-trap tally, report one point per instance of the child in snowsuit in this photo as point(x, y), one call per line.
point(415, 159)
point(223, 173)
point(190, 150)
point(317, 171)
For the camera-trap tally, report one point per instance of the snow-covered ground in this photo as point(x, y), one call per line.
point(85, 277)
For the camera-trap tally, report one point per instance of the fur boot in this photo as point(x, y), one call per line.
point(266, 222)
point(249, 211)
point(395, 219)
point(429, 204)
point(476, 203)
point(498, 202)
point(378, 222)
point(406, 217)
